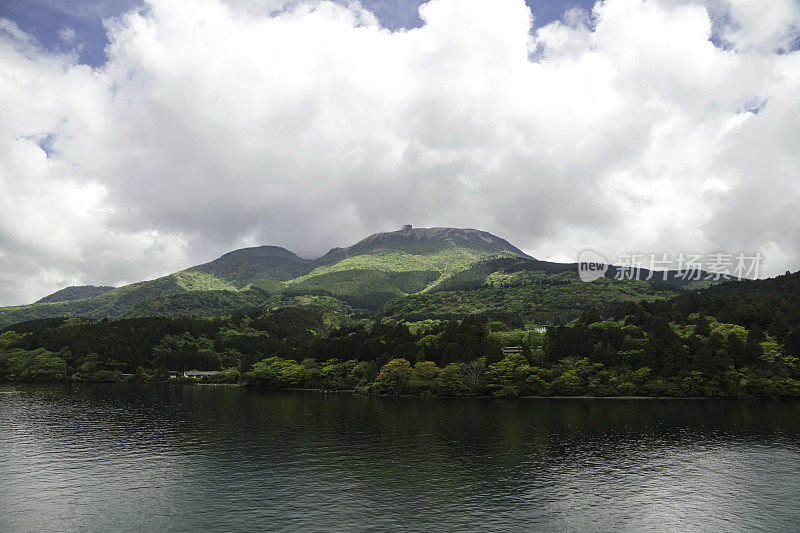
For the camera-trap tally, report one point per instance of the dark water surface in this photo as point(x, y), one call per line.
point(161, 457)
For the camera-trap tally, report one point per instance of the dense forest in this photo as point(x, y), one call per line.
point(737, 339)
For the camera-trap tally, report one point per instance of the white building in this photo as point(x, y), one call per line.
point(199, 373)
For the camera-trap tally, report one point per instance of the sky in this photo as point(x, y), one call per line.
point(141, 137)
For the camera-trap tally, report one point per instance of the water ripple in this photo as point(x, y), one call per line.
point(154, 458)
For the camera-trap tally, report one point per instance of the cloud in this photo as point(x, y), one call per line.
point(67, 35)
point(308, 125)
point(746, 25)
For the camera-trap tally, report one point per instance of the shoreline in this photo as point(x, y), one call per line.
point(403, 396)
point(490, 397)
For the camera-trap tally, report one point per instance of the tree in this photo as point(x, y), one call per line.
point(474, 373)
point(393, 377)
point(737, 351)
point(590, 316)
point(423, 376)
point(507, 376)
point(568, 384)
point(702, 326)
point(451, 381)
point(792, 343)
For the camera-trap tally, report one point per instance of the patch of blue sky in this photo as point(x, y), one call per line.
point(77, 25)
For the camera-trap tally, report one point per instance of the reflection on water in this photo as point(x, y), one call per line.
point(133, 457)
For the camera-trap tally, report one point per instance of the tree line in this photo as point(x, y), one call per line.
point(737, 339)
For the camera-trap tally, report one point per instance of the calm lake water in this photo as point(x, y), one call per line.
point(161, 457)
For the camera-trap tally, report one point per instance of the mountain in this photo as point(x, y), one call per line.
point(424, 241)
point(75, 293)
point(393, 264)
point(444, 272)
point(242, 267)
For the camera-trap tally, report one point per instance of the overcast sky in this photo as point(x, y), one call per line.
point(137, 139)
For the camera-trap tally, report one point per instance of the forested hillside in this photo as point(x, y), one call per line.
point(731, 340)
point(519, 291)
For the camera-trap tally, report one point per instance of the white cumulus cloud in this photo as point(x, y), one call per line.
point(655, 125)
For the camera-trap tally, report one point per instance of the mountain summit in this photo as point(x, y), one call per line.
point(75, 293)
point(247, 265)
point(431, 240)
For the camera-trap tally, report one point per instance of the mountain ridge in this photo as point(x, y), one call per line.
point(412, 250)
point(75, 292)
point(429, 239)
point(360, 278)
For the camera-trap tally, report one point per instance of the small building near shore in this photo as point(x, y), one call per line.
point(512, 349)
point(200, 373)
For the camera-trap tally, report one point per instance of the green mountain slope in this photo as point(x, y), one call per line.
point(363, 288)
point(522, 290)
point(243, 267)
point(109, 305)
point(437, 271)
point(419, 249)
point(366, 274)
point(75, 293)
point(228, 274)
point(224, 303)
point(530, 296)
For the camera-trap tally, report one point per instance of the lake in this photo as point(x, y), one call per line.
point(127, 457)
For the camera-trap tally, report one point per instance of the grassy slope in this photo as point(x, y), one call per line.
point(443, 261)
point(374, 277)
point(367, 289)
point(200, 281)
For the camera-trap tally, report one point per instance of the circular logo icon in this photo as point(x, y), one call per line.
point(591, 265)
